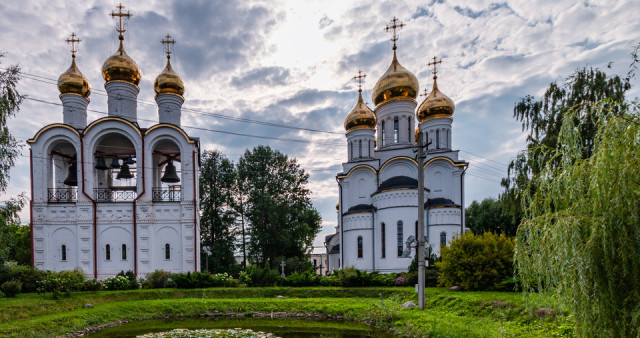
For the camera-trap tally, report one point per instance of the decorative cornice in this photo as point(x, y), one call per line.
point(51, 126)
point(167, 125)
point(116, 119)
point(356, 167)
point(398, 158)
point(455, 164)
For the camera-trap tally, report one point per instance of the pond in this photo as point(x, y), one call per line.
point(287, 328)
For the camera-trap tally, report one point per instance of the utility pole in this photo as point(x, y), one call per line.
point(421, 244)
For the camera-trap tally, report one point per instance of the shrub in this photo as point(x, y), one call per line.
point(476, 262)
point(158, 279)
point(90, 285)
point(11, 288)
point(73, 278)
point(1, 294)
point(117, 283)
point(133, 282)
point(258, 276)
point(307, 278)
point(223, 279)
point(55, 285)
point(350, 276)
point(27, 275)
point(331, 280)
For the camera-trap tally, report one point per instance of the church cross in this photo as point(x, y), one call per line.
point(395, 26)
point(360, 80)
point(424, 93)
point(168, 41)
point(120, 14)
point(73, 42)
point(282, 266)
point(435, 69)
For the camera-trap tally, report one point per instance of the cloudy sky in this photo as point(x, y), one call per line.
point(290, 63)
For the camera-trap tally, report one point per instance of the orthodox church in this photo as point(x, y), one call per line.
point(110, 195)
point(377, 209)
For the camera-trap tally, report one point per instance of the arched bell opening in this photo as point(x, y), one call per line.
point(62, 173)
point(167, 172)
point(115, 169)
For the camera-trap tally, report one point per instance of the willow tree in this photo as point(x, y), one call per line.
point(580, 236)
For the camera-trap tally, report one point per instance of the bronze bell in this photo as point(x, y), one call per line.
point(101, 165)
point(124, 172)
point(129, 160)
point(72, 178)
point(170, 175)
point(115, 164)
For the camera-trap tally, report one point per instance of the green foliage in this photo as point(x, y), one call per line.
point(476, 262)
point(307, 278)
point(158, 279)
point(430, 278)
point(488, 216)
point(543, 119)
point(10, 101)
point(117, 283)
point(582, 226)
point(384, 314)
point(14, 238)
point(90, 285)
point(258, 276)
point(282, 221)
point(133, 282)
point(27, 275)
point(57, 285)
point(217, 191)
point(11, 288)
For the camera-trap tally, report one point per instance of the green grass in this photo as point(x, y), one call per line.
point(487, 314)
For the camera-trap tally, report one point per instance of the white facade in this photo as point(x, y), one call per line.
point(103, 224)
point(377, 209)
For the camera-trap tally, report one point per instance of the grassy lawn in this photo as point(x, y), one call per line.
point(486, 314)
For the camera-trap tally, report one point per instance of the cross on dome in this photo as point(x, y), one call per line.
point(360, 80)
point(73, 42)
point(435, 64)
point(120, 14)
point(395, 26)
point(424, 93)
point(168, 41)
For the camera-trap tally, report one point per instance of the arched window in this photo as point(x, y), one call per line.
point(383, 238)
point(426, 140)
point(167, 251)
point(437, 139)
point(124, 252)
point(396, 130)
point(400, 239)
point(108, 252)
point(359, 246)
point(353, 153)
point(360, 148)
point(409, 130)
point(443, 239)
point(384, 134)
point(369, 148)
point(63, 252)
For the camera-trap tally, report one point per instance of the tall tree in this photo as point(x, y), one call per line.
point(542, 120)
point(581, 225)
point(283, 223)
point(217, 188)
point(15, 238)
point(487, 216)
point(10, 101)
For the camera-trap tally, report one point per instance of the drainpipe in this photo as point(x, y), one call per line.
point(195, 215)
point(327, 250)
point(135, 215)
point(95, 212)
point(33, 262)
point(373, 238)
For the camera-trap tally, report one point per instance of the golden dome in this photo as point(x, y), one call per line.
point(120, 67)
point(436, 105)
point(360, 117)
point(338, 206)
point(397, 82)
point(73, 82)
point(168, 82)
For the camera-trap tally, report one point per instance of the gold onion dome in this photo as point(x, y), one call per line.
point(168, 82)
point(397, 82)
point(360, 117)
point(73, 82)
point(436, 105)
point(120, 67)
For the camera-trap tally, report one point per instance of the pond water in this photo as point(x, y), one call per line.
point(287, 328)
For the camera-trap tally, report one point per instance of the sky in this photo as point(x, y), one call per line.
point(291, 63)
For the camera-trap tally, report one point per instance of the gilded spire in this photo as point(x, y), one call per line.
point(168, 82)
point(72, 81)
point(436, 105)
point(361, 116)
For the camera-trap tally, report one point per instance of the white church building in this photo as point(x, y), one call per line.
point(111, 195)
point(377, 209)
